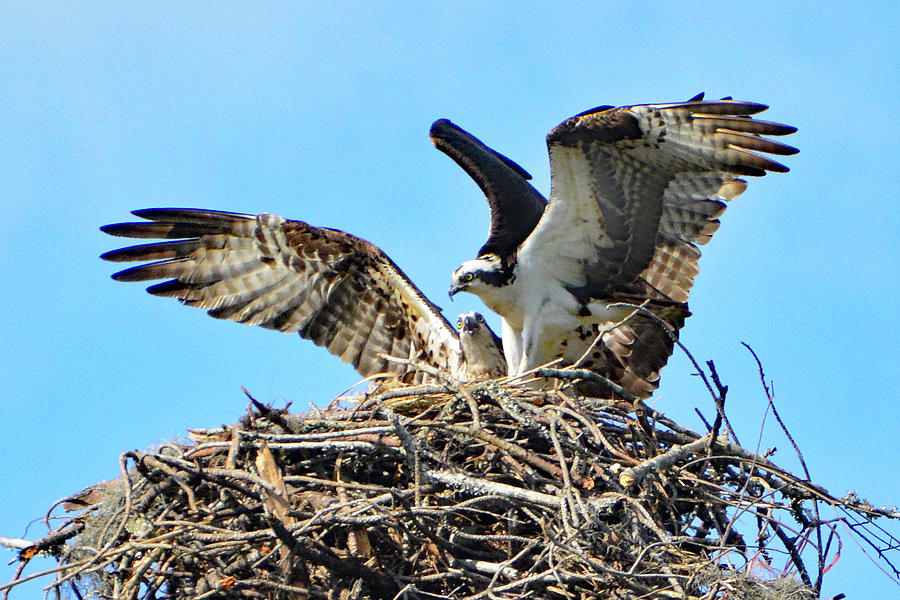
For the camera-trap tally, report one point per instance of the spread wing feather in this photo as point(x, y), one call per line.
point(624, 178)
point(335, 289)
point(631, 355)
point(692, 205)
point(516, 207)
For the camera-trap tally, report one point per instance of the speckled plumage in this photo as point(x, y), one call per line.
point(634, 191)
point(335, 289)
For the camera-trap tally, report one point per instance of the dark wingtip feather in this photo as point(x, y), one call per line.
point(155, 270)
point(170, 288)
point(596, 109)
point(789, 150)
point(440, 128)
point(224, 312)
point(132, 274)
point(463, 147)
point(787, 129)
point(747, 170)
point(761, 127)
point(113, 256)
point(730, 107)
point(759, 144)
point(189, 215)
point(173, 229)
point(698, 97)
point(764, 162)
point(154, 251)
point(119, 229)
point(166, 213)
point(761, 165)
point(742, 125)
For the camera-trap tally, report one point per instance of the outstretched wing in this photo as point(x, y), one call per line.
point(516, 207)
point(335, 289)
point(637, 187)
point(692, 200)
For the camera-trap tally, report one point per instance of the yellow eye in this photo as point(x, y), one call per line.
point(468, 277)
point(480, 319)
point(459, 324)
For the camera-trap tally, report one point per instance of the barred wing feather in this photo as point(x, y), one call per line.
point(333, 288)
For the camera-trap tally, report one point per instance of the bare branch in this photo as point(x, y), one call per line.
point(489, 490)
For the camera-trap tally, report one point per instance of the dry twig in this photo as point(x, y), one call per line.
point(488, 490)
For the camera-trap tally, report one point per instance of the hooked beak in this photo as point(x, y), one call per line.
point(455, 289)
point(469, 324)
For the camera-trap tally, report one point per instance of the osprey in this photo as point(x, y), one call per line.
point(634, 190)
point(331, 287)
point(481, 348)
point(632, 353)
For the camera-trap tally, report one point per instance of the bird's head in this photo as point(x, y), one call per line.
point(470, 323)
point(481, 347)
point(481, 275)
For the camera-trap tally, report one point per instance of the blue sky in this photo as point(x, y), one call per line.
point(321, 112)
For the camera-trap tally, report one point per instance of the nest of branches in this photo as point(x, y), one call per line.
point(451, 491)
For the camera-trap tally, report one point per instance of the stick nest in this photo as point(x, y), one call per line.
point(453, 491)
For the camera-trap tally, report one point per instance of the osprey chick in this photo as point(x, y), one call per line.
point(480, 346)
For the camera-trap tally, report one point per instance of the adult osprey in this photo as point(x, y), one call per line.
point(331, 287)
point(633, 353)
point(634, 189)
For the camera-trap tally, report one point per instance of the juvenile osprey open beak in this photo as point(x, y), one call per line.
point(469, 324)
